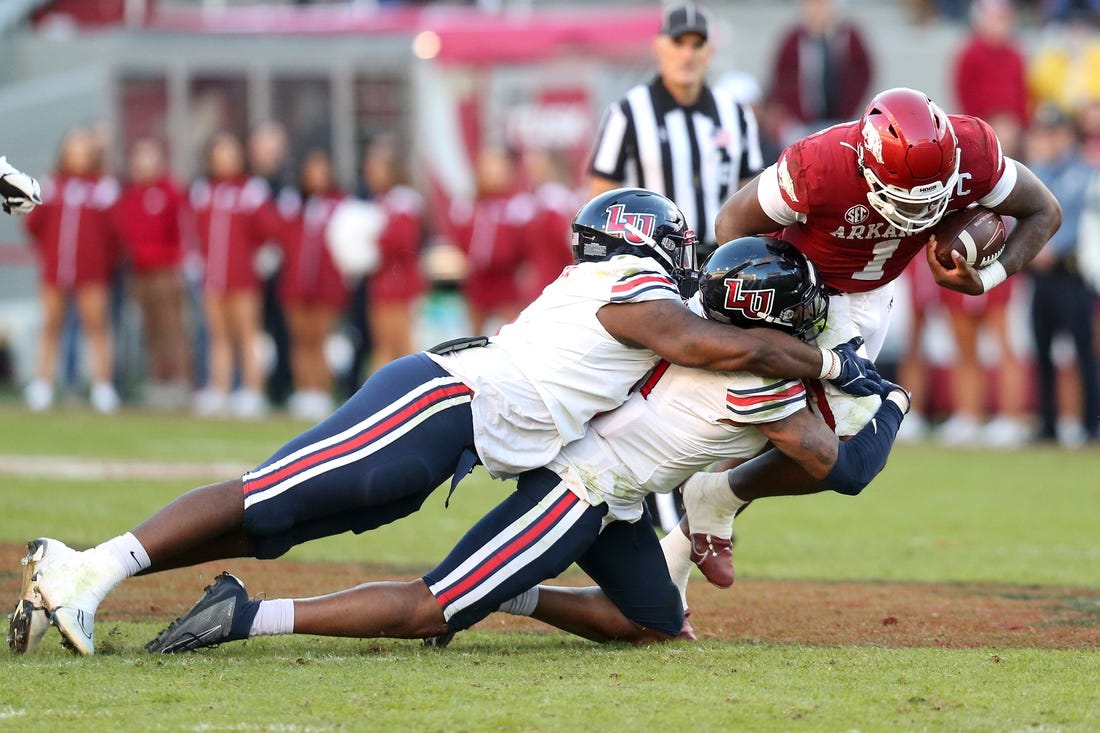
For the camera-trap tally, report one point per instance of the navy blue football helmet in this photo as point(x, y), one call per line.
point(637, 222)
point(763, 281)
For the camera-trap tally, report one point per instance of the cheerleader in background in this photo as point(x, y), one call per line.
point(397, 284)
point(311, 289)
point(225, 205)
point(489, 231)
point(77, 251)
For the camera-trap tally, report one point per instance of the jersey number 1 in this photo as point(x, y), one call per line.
point(883, 251)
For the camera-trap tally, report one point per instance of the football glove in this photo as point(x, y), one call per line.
point(858, 376)
point(19, 192)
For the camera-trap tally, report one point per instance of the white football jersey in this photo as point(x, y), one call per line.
point(680, 421)
point(547, 374)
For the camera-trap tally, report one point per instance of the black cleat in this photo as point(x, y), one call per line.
point(224, 613)
point(439, 641)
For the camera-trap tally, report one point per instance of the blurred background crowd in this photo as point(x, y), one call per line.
point(212, 158)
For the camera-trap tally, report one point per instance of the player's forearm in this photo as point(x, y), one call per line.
point(1038, 216)
point(860, 459)
point(1028, 237)
point(679, 336)
point(701, 344)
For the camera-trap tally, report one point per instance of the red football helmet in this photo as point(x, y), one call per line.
point(910, 158)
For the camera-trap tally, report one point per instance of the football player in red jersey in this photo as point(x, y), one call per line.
point(859, 200)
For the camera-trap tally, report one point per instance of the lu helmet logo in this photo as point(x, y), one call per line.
point(755, 304)
point(634, 228)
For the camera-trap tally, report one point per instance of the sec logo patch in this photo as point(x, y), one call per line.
point(856, 214)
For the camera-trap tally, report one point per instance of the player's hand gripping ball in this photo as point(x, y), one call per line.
point(978, 234)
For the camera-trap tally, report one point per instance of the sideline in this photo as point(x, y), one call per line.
point(69, 468)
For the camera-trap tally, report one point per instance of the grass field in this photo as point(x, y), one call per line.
point(879, 646)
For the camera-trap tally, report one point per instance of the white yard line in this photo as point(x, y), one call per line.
point(94, 469)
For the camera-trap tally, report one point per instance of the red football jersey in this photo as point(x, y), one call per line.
point(818, 193)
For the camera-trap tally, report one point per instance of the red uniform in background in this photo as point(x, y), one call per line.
point(398, 278)
point(547, 235)
point(73, 231)
point(308, 274)
point(490, 232)
point(989, 80)
point(225, 212)
point(148, 219)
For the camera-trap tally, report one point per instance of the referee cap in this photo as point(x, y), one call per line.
point(684, 18)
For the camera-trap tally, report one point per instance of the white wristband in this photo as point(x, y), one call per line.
point(901, 399)
point(992, 276)
point(830, 364)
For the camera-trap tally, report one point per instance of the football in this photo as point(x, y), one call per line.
point(976, 233)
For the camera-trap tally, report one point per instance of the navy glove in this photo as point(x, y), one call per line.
point(902, 398)
point(858, 376)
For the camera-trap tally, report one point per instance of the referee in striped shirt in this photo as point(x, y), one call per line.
point(676, 135)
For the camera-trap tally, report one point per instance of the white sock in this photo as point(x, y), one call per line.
point(711, 505)
point(273, 617)
point(523, 604)
point(677, 549)
point(129, 553)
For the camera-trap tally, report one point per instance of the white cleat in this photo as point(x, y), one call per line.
point(29, 622)
point(71, 587)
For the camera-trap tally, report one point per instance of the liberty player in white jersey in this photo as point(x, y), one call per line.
point(586, 509)
point(415, 423)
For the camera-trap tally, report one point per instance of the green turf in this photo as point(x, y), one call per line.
point(1025, 517)
point(139, 435)
point(530, 682)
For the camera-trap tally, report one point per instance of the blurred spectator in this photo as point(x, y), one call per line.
point(989, 76)
point(1063, 11)
point(267, 158)
point(148, 220)
point(821, 73)
point(395, 287)
point(311, 289)
point(225, 205)
point(914, 367)
point(547, 236)
point(1063, 302)
point(1088, 124)
point(488, 230)
point(77, 252)
point(924, 11)
point(1065, 71)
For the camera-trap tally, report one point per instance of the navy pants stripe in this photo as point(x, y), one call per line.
point(536, 534)
point(374, 460)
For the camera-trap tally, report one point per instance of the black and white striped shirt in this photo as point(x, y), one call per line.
point(695, 155)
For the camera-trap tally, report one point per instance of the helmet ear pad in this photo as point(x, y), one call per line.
point(637, 222)
point(763, 281)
